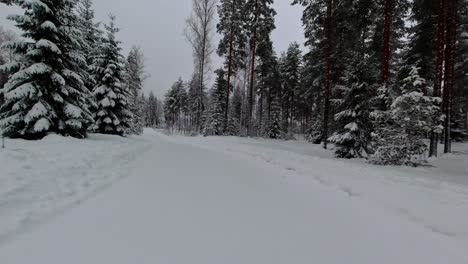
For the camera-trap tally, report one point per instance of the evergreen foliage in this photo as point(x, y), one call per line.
point(46, 91)
point(134, 75)
point(112, 115)
point(409, 119)
point(215, 120)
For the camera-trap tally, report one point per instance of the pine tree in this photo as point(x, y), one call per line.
point(274, 126)
point(215, 122)
point(46, 92)
point(233, 41)
point(260, 23)
point(290, 73)
point(409, 118)
point(112, 115)
point(153, 108)
point(326, 31)
point(134, 74)
point(460, 91)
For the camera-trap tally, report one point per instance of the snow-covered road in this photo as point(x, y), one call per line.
point(192, 201)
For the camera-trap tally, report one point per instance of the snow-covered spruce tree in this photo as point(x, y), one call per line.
point(112, 115)
point(46, 92)
point(353, 137)
point(274, 128)
point(410, 118)
point(92, 36)
point(215, 121)
point(235, 116)
point(175, 106)
point(134, 75)
point(3, 79)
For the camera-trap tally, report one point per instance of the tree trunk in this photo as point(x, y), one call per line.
point(252, 71)
point(202, 77)
point(439, 69)
point(326, 115)
point(386, 44)
point(228, 88)
point(449, 71)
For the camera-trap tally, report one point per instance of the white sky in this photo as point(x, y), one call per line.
point(157, 27)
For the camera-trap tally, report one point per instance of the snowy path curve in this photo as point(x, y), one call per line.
point(187, 204)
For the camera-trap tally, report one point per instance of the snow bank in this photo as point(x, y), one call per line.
point(41, 178)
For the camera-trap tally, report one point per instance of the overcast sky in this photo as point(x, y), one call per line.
point(157, 27)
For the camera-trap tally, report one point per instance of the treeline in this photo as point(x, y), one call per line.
point(67, 74)
point(380, 79)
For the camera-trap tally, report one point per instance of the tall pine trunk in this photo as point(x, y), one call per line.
point(439, 68)
point(449, 71)
point(228, 86)
point(252, 71)
point(326, 114)
point(202, 80)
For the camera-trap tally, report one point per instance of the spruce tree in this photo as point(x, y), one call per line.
point(112, 96)
point(215, 121)
point(3, 79)
point(235, 117)
point(410, 117)
point(175, 106)
point(423, 39)
point(46, 91)
point(92, 36)
point(353, 137)
point(274, 125)
point(134, 75)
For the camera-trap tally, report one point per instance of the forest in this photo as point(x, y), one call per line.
point(384, 80)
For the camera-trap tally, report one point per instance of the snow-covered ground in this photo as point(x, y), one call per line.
point(225, 200)
point(41, 178)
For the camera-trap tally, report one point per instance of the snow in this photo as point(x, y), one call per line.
point(39, 179)
point(225, 200)
point(58, 79)
point(42, 124)
point(38, 110)
point(49, 26)
point(73, 111)
point(47, 44)
point(352, 127)
point(37, 68)
point(22, 91)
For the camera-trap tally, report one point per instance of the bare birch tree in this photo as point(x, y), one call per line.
point(199, 33)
